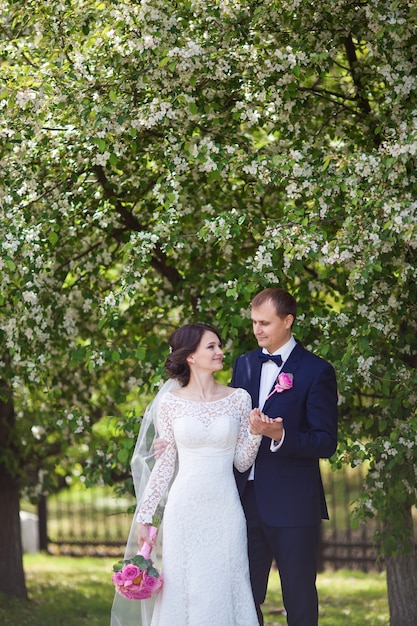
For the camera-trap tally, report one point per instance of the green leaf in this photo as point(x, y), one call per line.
point(326, 163)
point(140, 353)
point(364, 344)
point(100, 143)
point(123, 455)
point(153, 572)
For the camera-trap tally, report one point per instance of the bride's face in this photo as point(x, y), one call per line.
point(209, 354)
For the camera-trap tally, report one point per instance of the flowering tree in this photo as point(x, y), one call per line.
point(163, 161)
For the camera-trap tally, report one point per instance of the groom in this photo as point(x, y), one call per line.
point(282, 494)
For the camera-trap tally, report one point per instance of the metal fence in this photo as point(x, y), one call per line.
point(88, 521)
point(94, 522)
point(343, 545)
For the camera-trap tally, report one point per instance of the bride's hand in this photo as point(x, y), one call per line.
point(259, 423)
point(143, 535)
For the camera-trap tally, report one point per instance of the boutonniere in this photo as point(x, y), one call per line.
point(283, 382)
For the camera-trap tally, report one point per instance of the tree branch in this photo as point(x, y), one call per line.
point(159, 258)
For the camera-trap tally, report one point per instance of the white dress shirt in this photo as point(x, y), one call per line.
point(269, 374)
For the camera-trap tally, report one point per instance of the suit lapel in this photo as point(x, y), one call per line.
point(292, 363)
point(290, 366)
point(255, 378)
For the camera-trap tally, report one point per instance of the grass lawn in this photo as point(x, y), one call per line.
point(67, 591)
point(346, 597)
point(63, 591)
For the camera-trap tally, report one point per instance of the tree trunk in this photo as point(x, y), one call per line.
point(43, 524)
point(402, 583)
point(12, 577)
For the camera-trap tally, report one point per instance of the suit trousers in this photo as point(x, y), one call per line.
point(294, 550)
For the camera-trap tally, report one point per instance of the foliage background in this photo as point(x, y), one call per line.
point(163, 161)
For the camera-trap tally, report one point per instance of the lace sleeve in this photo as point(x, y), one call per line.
point(247, 445)
point(164, 467)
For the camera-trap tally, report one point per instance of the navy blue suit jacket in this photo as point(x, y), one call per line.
point(288, 485)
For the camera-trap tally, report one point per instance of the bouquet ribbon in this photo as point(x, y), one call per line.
point(147, 548)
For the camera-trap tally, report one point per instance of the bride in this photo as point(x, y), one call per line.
point(204, 547)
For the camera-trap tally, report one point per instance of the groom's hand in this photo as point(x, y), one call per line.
point(159, 446)
point(274, 429)
point(261, 424)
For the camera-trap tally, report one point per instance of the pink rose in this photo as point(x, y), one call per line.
point(146, 589)
point(131, 572)
point(283, 382)
point(151, 583)
point(118, 578)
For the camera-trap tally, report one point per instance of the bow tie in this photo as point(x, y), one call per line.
point(276, 358)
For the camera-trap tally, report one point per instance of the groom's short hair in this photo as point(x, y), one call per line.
point(285, 304)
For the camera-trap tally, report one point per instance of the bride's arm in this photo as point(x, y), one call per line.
point(163, 469)
point(247, 444)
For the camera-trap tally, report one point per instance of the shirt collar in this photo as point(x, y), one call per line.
point(284, 350)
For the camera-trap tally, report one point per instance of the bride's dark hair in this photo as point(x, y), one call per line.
point(183, 342)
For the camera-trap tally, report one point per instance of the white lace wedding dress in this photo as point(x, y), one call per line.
point(204, 555)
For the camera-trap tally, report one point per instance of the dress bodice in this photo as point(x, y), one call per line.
point(206, 438)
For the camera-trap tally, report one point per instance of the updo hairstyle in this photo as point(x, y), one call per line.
point(183, 342)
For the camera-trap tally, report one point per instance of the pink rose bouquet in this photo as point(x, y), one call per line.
point(137, 578)
point(283, 382)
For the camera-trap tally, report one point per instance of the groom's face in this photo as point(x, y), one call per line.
point(270, 330)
